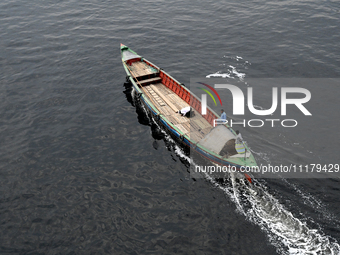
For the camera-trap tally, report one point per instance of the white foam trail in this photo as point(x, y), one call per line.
point(181, 154)
point(282, 226)
point(286, 232)
point(133, 94)
point(231, 73)
point(218, 74)
point(236, 73)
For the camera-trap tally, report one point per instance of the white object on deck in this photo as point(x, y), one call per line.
point(185, 110)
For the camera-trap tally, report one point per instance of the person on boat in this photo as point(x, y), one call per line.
point(223, 115)
point(185, 111)
point(239, 138)
point(239, 146)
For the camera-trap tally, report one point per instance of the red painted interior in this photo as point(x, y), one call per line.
point(184, 94)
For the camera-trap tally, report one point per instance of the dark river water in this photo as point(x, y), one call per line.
point(83, 170)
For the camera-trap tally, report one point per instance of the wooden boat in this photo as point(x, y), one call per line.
point(164, 96)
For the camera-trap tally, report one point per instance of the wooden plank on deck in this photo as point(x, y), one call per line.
point(182, 128)
point(174, 108)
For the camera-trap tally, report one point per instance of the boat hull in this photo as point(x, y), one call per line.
point(175, 132)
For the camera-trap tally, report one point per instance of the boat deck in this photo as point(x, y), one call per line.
point(212, 140)
point(196, 127)
point(140, 69)
point(168, 103)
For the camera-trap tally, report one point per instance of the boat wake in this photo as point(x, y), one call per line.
point(231, 71)
point(286, 232)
